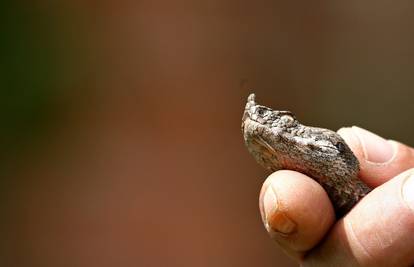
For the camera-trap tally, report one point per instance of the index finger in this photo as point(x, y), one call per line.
point(380, 159)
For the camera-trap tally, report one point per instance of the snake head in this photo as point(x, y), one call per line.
point(262, 129)
point(266, 116)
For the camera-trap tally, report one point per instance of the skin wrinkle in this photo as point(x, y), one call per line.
point(384, 240)
point(380, 240)
point(350, 233)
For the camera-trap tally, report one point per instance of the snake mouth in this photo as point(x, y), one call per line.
point(259, 147)
point(255, 131)
point(265, 144)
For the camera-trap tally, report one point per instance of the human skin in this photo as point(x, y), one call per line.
point(378, 231)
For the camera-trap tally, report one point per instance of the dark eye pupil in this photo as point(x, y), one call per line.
point(341, 147)
point(261, 112)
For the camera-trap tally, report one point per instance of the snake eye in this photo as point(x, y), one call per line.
point(262, 112)
point(341, 147)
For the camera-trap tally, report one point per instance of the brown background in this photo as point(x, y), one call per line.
point(121, 141)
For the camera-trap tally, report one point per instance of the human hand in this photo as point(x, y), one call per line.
point(378, 231)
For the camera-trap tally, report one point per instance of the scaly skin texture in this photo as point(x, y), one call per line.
point(278, 141)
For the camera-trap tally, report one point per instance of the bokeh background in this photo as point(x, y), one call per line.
point(120, 120)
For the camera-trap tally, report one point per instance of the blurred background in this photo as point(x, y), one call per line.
point(120, 120)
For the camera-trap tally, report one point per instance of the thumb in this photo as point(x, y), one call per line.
point(379, 159)
point(376, 232)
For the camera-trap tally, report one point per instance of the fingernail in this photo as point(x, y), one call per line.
point(408, 190)
point(276, 221)
point(376, 149)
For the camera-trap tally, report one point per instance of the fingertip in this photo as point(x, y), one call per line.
point(296, 211)
point(379, 159)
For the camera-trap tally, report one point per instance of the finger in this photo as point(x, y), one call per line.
point(380, 159)
point(296, 211)
point(378, 231)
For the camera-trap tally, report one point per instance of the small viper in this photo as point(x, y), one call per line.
point(277, 140)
